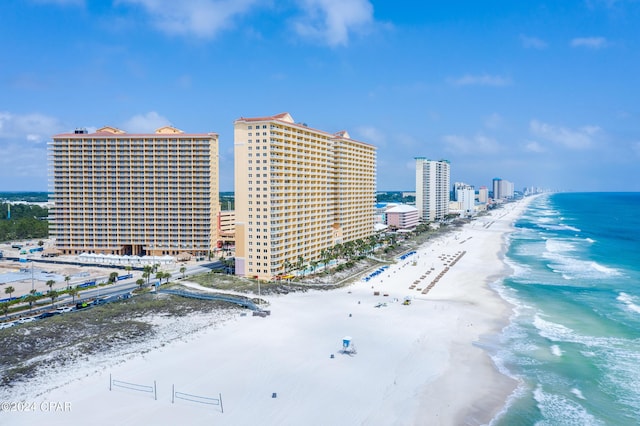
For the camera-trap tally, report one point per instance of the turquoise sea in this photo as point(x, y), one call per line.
point(573, 342)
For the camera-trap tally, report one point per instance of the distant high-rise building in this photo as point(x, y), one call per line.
point(432, 188)
point(298, 192)
point(134, 194)
point(502, 189)
point(483, 195)
point(466, 196)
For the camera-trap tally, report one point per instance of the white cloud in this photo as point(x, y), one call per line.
point(28, 127)
point(589, 42)
point(480, 80)
point(28, 162)
point(406, 140)
point(331, 21)
point(146, 123)
point(582, 138)
point(202, 18)
point(477, 144)
point(533, 42)
point(372, 135)
point(184, 81)
point(493, 121)
point(533, 146)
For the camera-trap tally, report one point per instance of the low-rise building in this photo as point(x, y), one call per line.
point(402, 216)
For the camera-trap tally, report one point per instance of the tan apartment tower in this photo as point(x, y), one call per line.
point(432, 188)
point(298, 191)
point(134, 194)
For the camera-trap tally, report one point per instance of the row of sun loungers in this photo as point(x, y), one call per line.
point(449, 261)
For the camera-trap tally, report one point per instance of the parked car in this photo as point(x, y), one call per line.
point(6, 325)
point(100, 301)
point(48, 314)
point(82, 305)
point(63, 309)
point(25, 320)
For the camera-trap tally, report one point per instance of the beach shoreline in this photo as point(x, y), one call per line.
point(416, 364)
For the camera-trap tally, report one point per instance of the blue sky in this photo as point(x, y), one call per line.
point(541, 93)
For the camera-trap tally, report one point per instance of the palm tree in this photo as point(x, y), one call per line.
point(286, 266)
point(9, 290)
point(113, 277)
point(4, 307)
point(30, 299)
point(67, 278)
point(324, 255)
point(300, 264)
point(53, 295)
point(166, 276)
point(50, 283)
point(73, 292)
point(373, 242)
point(313, 264)
point(128, 269)
point(147, 272)
point(183, 269)
point(159, 276)
point(140, 282)
point(336, 251)
point(350, 249)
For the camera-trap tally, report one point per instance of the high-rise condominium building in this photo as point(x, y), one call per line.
point(502, 189)
point(134, 194)
point(483, 195)
point(432, 188)
point(298, 191)
point(466, 196)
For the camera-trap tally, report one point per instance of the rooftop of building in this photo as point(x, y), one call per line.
point(110, 132)
point(401, 208)
point(286, 118)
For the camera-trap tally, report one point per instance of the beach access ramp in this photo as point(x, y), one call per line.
point(241, 301)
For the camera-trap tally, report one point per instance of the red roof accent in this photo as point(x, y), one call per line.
point(134, 135)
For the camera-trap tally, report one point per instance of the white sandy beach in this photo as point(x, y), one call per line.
point(415, 365)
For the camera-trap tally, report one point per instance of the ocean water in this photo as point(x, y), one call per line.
point(574, 338)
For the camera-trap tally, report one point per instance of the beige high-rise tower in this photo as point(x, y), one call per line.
point(134, 194)
point(432, 188)
point(298, 191)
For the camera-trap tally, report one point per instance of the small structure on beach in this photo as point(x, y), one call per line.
point(348, 348)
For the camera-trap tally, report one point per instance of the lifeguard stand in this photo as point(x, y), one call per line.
point(348, 348)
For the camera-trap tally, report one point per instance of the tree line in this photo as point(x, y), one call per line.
point(27, 221)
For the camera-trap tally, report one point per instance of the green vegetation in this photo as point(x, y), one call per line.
point(27, 221)
point(394, 197)
point(28, 197)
